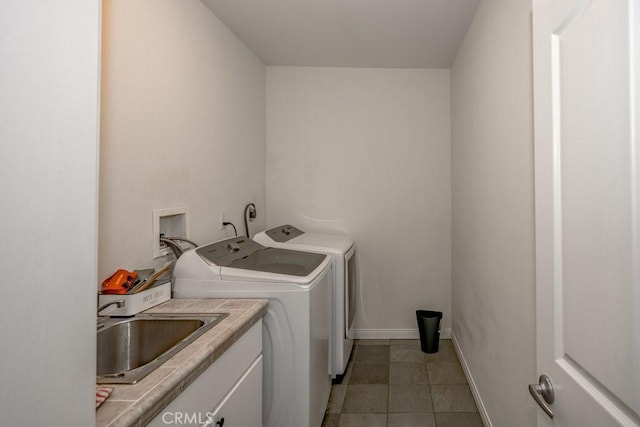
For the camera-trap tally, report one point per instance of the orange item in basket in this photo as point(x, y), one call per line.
point(119, 283)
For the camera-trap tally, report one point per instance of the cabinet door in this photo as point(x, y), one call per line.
point(242, 406)
point(215, 383)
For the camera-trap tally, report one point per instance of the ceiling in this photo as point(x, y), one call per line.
point(349, 33)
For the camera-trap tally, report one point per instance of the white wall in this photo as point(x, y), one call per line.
point(48, 179)
point(365, 153)
point(493, 212)
point(183, 124)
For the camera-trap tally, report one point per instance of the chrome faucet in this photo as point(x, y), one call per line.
point(119, 303)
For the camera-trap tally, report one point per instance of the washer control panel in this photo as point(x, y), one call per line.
point(225, 252)
point(283, 233)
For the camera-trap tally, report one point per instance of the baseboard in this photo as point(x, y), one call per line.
point(472, 384)
point(395, 334)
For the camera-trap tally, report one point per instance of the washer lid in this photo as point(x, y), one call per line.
point(290, 237)
point(243, 253)
point(318, 242)
point(280, 261)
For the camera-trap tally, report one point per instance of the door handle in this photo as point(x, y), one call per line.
point(543, 390)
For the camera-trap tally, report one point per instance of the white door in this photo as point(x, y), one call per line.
point(587, 167)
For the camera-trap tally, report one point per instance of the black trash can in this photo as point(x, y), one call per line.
point(429, 328)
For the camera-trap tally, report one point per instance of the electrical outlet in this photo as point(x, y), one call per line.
point(223, 219)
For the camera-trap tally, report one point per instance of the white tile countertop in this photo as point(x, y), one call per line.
point(137, 404)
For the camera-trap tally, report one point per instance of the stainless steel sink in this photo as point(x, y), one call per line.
point(129, 349)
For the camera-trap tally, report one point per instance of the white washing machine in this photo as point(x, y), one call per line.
point(295, 337)
point(342, 251)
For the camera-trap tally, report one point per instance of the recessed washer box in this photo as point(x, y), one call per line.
point(169, 222)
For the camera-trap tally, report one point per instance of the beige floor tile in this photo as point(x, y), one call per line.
point(452, 398)
point(372, 342)
point(445, 373)
point(445, 343)
point(347, 372)
point(369, 373)
point(423, 390)
point(331, 420)
point(408, 373)
point(366, 398)
point(363, 420)
point(372, 354)
point(459, 419)
point(405, 342)
point(409, 398)
point(336, 398)
point(445, 353)
point(405, 354)
point(425, 419)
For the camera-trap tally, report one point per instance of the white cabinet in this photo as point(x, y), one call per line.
point(231, 388)
point(242, 406)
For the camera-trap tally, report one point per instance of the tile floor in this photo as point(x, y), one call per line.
point(392, 383)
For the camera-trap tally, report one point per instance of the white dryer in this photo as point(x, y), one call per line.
point(342, 252)
point(296, 383)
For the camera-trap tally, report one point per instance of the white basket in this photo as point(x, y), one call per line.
point(135, 303)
